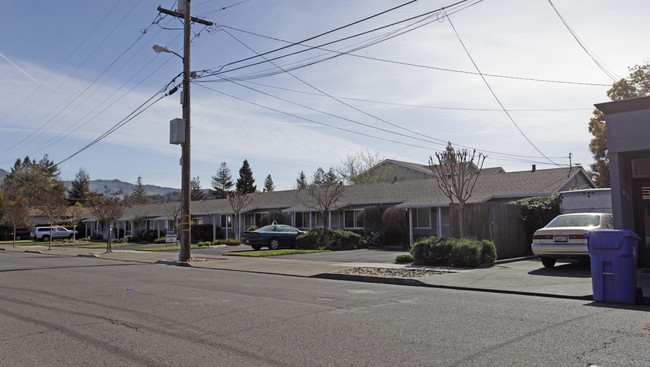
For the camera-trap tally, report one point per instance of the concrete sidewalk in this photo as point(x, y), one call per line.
point(525, 276)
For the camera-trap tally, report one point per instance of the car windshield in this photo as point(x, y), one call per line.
point(587, 220)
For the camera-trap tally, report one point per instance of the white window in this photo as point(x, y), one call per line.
point(198, 221)
point(422, 217)
point(302, 220)
point(353, 218)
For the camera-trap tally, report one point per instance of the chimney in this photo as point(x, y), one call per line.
point(534, 168)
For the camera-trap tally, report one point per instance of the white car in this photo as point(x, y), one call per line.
point(43, 233)
point(566, 236)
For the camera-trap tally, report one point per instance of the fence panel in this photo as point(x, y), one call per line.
point(499, 223)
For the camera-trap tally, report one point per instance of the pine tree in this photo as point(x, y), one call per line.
point(331, 178)
point(139, 195)
point(80, 189)
point(319, 177)
point(268, 184)
point(245, 182)
point(32, 179)
point(301, 181)
point(221, 182)
point(196, 192)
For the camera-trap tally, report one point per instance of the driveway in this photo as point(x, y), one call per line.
point(366, 255)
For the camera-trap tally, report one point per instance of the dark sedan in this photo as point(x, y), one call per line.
point(273, 236)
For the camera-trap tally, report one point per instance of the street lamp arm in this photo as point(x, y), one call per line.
point(160, 49)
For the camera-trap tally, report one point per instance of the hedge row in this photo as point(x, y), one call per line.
point(336, 240)
point(462, 253)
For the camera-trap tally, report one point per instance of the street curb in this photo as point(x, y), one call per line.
point(417, 283)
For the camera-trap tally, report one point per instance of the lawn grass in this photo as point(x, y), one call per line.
point(21, 243)
point(262, 253)
point(103, 245)
point(166, 248)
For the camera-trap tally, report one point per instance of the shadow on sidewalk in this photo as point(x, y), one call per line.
point(570, 270)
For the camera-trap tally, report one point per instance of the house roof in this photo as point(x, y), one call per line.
point(407, 193)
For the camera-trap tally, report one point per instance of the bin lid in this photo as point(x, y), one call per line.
point(610, 238)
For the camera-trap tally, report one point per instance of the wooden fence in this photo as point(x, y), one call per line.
point(499, 223)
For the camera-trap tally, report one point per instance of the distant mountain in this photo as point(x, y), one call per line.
point(113, 186)
point(126, 187)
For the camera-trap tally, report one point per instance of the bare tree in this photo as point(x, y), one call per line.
point(109, 207)
point(456, 175)
point(52, 204)
point(173, 212)
point(353, 168)
point(75, 211)
point(322, 198)
point(238, 201)
point(16, 213)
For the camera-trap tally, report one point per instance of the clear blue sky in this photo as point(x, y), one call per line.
point(72, 70)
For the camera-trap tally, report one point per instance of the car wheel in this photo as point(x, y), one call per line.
point(274, 244)
point(256, 247)
point(46, 238)
point(548, 262)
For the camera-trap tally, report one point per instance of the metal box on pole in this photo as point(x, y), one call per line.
point(177, 131)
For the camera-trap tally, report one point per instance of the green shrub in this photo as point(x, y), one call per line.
point(537, 211)
point(204, 244)
point(148, 235)
point(336, 240)
point(132, 239)
point(252, 228)
point(228, 242)
point(404, 259)
point(160, 240)
point(453, 252)
point(395, 226)
point(202, 232)
point(488, 252)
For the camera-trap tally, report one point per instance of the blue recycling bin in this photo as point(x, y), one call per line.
point(613, 255)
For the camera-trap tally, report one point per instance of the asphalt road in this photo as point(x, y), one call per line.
point(69, 311)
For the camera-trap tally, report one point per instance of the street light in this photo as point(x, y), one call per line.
point(186, 240)
point(159, 49)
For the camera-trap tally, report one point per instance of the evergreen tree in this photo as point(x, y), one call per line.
point(139, 195)
point(245, 182)
point(196, 192)
point(32, 178)
point(80, 189)
point(301, 181)
point(331, 178)
point(319, 177)
point(268, 184)
point(221, 182)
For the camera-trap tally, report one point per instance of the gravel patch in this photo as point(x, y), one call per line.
point(393, 272)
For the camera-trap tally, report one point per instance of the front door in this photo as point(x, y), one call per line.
point(642, 218)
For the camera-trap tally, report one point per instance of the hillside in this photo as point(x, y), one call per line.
point(113, 186)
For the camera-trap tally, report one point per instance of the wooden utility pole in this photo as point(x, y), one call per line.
point(186, 221)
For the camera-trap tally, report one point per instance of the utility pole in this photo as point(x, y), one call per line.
point(186, 219)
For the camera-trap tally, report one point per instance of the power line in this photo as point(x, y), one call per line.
point(419, 65)
point(428, 14)
point(430, 138)
point(494, 94)
point(509, 159)
point(135, 113)
point(595, 58)
point(88, 86)
point(409, 104)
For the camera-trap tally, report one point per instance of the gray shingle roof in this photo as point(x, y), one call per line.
point(408, 193)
